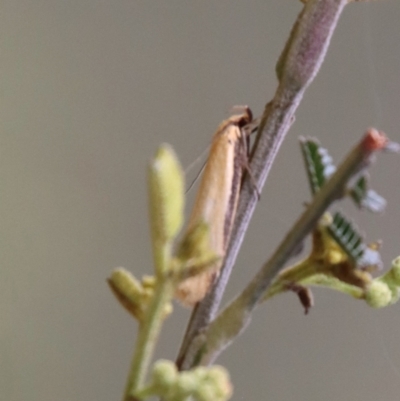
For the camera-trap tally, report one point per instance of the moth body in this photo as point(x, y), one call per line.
point(216, 200)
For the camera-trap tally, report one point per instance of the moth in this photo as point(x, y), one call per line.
point(217, 198)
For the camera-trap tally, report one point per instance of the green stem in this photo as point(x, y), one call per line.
point(321, 280)
point(294, 274)
point(149, 330)
point(305, 273)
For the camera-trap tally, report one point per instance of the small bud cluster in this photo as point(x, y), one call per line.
point(134, 295)
point(201, 384)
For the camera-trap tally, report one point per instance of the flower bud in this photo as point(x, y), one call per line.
point(166, 195)
point(164, 376)
point(378, 294)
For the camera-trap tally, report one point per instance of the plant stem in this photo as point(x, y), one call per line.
point(236, 316)
point(334, 284)
point(294, 274)
point(150, 328)
point(304, 273)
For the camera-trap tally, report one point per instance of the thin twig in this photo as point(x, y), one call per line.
point(299, 63)
point(149, 331)
point(236, 316)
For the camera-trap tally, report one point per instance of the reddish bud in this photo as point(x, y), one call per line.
point(374, 140)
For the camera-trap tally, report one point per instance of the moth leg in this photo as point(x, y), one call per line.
point(244, 155)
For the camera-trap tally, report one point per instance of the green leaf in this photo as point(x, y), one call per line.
point(319, 164)
point(347, 236)
point(365, 197)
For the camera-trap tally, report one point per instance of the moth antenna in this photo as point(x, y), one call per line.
point(253, 181)
point(197, 160)
point(197, 175)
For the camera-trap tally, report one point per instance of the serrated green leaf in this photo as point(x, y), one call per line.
point(365, 197)
point(347, 236)
point(319, 164)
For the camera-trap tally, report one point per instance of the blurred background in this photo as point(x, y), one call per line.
point(89, 89)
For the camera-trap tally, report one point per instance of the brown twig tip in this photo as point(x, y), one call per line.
point(375, 140)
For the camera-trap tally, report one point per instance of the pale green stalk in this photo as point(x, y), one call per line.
point(150, 328)
point(304, 273)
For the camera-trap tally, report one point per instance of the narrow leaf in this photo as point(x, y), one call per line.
point(319, 164)
point(347, 236)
